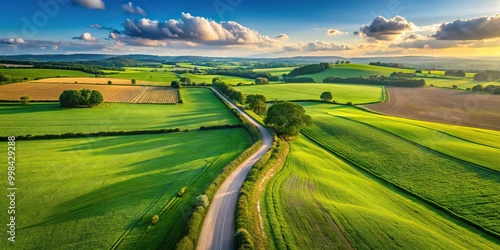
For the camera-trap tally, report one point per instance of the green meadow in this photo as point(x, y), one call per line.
point(404, 155)
point(351, 70)
point(276, 71)
point(95, 192)
point(200, 108)
point(342, 93)
point(233, 80)
point(145, 74)
point(32, 73)
point(318, 201)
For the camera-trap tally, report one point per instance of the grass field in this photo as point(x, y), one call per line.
point(463, 188)
point(233, 80)
point(462, 83)
point(342, 93)
point(352, 70)
point(144, 74)
point(276, 71)
point(99, 80)
point(89, 193)
point(200, 108)
point(20, 73)
point(319, 202)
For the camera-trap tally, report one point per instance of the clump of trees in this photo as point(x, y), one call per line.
point(80, 98)
point(299, 80)
point(133, 81)
point(241, 73)
point(477, 87)
point(261, 81)
point(202, 201)
point(378, 80)
point(4, 77)
point(326, 96)
point(342, 62)
point(229, 91)
point(287, 118)
point(392, 65)
point(25, 100)
point(487, 76)
point(257, 103)
point(308, 69)
point(458, 73)
point(175, 84)
point(402, 74)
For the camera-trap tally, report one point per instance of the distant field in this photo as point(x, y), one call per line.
point(85, 193)
point(200, 108)
point(320, 202)
point(233, 80)
point(342, 93)
point(443, 105)
point(276, 71)
point(405, 155)
point(99, 80)
point(52, 91)
point(164, 76)
point(462, 83)
point(352, 70)
point(20, 73)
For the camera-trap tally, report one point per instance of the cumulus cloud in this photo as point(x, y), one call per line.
point(385, 29)
point(130, 8)
point(473, 29)
point(91, 4)
point(136, 41)
point(282, 37)
point(198, 30)
point(333, 32)
point(316, 46)
point(86, 37)
point(13, 41)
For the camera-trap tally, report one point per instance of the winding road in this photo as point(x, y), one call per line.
point(218, 228)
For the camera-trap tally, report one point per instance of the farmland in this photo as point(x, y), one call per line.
point(400, 158)
point(342, 93)
point(350, 70)
point(321, 202)
point(99, 80)
point(20, 73)
point(127, 94)
point(276, 71)
point(201, 108)
point(443, 105)
point(76, 193)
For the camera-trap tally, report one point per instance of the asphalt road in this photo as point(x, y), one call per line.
point(218, 228)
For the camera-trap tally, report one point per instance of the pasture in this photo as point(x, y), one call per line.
point(352, 70)
point(396, 155)
point(99, 80)
point(232, 80)
point(90, 193)
point(276, 71)
point(318, 201)
point(200, 108)
point(342, 93)
point(32, 73)
point(442, 105)
point(127, 94)
point(164, 76)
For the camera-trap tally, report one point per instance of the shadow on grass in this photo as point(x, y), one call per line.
point(17, 108)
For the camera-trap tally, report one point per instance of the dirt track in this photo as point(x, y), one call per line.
point(443, 105)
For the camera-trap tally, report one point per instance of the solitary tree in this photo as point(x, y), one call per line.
point(133, 81)
point(4, 77)
point(477, 88)
point(80, 98)
point(326, 96)
point(261, 80)
point(257, 103)
point(25, 100)
point(110, 82)
point(175, 84)
point(287, 118)
point(186, 80)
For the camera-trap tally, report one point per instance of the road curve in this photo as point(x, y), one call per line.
point(218, 228)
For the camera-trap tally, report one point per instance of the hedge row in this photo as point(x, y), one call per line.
point(80, 135)
point(380, 80)
point(221, 126)
point(249, 193)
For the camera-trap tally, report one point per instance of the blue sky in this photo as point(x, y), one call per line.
point(252, 28)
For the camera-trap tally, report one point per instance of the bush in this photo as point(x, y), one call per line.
point(496, 91)
point(110, 82)
point(155, 219)
point(25, 100)
point(455, 86)
point(175, 84)
point(202, 200)
point(185, 244)
point(133, 81)
point(261, 81)
point(182, 191)
point(477, 88)
point(490, 88)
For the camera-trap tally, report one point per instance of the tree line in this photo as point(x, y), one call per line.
point(487, 76)
point(229, 91)
point(307, 69)
point(457, 73)
point(378, 80)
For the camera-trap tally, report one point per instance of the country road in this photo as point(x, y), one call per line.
point(218, 228)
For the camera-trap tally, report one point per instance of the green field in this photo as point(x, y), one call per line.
point(342, 93)
point(276, 71)
point(145, 74)
point(352, 70)
point(200, 108)
point(395, 152)
point(20, 73)
point(89, 193)
point(461, 83)
point(317, 198)
point(233, 80)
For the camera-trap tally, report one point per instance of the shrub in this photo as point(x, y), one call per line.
point(185, 244)
point(455, 86)
point(175, 84)
point(261, 80)
point(25, 100)
point(133, 81)
point(496, 91)
point(155, 219)
point(110, 82)
point(202, 200)
point(182, 191)
point(490, 88)
point(477, 88)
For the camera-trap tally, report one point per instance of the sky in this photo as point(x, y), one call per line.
point(259, 28)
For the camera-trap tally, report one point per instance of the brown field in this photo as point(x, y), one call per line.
point(111, 93)
point(94, 80)
point(443, 105)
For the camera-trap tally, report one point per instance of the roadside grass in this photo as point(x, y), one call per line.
point(460, 187)
point(342, 93)
point(317, 200)
point(32, 73)
point(200, 108)
point(84, 193)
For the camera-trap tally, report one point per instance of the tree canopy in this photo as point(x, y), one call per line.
point(326, 96)
point(257, 103)
point(80, 98)
point(287, 118)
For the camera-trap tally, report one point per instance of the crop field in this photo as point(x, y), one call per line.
point(99, 80)
point(392, 152)
point(342, 93)
point(318, 201)
point(200, 108)
point(127, 94)
point(76, 193)
point(443, 105)
point(352, 70)
point(164, 76)
point(32, 73)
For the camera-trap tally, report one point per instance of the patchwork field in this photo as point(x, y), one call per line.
point(32, 73)
point(90, 193)
point(352, 70)
point(403, 155)
point(443, 105)
point(342, 93)
point(318, 201)
point(276, 71)
point(200, 108)
point(99, 80)
point(52, 91)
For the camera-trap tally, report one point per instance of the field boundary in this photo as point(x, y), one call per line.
point(431, 203)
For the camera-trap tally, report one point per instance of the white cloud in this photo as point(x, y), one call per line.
point(86, 37)
point(13, 41)
point(130, 8)
point(316, 46)
point(91, 4)
point(473, 29)
point(386, 29)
